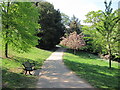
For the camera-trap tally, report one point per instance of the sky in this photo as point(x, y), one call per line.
point(80, 8)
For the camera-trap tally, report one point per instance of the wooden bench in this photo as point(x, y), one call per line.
point(28, 67)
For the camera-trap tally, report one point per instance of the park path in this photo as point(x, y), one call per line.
point(54, 74)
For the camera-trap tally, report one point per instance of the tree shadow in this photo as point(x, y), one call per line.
point(53, 49)
point(98, 76)
point(84, 54)
point(16, 80)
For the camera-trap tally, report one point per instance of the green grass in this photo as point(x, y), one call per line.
point(12, 69)
point(92, 69)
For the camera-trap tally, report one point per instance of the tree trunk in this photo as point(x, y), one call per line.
point(7, 27)
point(6, 43)
point(110, 55)
point(6, 50)
point(110, 62)
point(109, 49)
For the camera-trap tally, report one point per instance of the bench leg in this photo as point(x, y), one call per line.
point(25, 72)
point(30, 73)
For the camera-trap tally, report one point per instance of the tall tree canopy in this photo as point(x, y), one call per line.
point(75, 25)
point(51, 27)
point(19, 25)
point(71, 24)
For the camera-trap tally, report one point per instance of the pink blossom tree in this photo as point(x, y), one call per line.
point(73, 41)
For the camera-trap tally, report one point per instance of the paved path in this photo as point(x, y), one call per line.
point(54, 74)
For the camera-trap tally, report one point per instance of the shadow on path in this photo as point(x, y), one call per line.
point(54, 74)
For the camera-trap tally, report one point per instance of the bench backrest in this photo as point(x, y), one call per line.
point(27, 64)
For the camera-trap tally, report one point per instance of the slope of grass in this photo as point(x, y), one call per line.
point(92, 69)
point(12, 69)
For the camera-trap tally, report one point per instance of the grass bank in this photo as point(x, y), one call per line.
point(12, 69)
point(94, 70)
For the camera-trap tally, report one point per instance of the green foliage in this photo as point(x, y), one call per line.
point(19, 21)
point(94, 40)
point(93, 17)
point(93, 69)
point(51, 27)
point(103, 33)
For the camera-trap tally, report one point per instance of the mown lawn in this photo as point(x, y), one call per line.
point(94, 70)
point(12, 69)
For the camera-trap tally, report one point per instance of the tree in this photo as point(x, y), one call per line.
point(103, 30)
point(106, 30)
point(66, 21)
point(51, 27)
point(20, 22)
point(73, 41)
point(75, 25)
point(59, 26)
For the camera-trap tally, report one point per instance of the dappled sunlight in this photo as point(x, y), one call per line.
point(65, 81)
point(49, 78)
point(67, 74)
point(16, 70)
point(54, 74)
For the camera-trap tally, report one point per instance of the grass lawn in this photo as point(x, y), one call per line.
point(12, 69)
point(93, 69)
